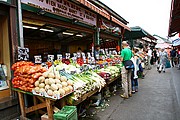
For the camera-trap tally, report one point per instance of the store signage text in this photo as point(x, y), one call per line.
point(64, 8)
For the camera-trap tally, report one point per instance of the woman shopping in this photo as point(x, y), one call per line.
point(163, 59)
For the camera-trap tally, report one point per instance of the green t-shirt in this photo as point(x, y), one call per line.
point(126, 54)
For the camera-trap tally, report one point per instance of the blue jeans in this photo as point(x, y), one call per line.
point(134, 84)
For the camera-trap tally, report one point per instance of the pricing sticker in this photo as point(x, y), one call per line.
point(59, 57)
point(68, 55)
point(50, 58)
point(38, 59)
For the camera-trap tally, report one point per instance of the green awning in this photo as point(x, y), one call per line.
point(137, 33)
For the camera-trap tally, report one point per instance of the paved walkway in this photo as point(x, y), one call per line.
point(156, 100)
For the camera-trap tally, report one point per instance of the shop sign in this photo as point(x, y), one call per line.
point(23, 53)
point(64, 8)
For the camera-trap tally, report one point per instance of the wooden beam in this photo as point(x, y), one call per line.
point(36, 107)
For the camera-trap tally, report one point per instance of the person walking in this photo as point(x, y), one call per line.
point(126, 54)
point(173, 54)
point(163, 60)
point(149, 56)
point(134, 76)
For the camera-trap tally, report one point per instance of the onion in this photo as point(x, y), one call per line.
point(62, 92)
point(64, 84)
point(63, 78)
point(36, 83)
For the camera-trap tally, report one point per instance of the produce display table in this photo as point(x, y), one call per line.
point(89, 94)
point(45, 103)
point(48, 102)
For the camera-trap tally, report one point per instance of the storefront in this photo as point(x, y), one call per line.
point(8, 41)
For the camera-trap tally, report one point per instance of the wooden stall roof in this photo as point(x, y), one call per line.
point(174, 21)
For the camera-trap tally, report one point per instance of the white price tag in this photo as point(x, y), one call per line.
point(75, 55)
point(68, 55)
point(78, 54)
point(38, 59)
point(106, 51)
point(88, 54)
point(59, 57)
point(50, 58)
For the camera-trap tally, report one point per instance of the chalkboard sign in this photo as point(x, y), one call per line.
point(23, 53)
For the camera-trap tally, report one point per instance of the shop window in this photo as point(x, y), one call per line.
point(4, 56)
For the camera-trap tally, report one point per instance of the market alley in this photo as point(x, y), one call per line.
point(154, 101)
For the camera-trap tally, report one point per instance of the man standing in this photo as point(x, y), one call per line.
point(149, 58)
point(173, 54)
point(126, 54)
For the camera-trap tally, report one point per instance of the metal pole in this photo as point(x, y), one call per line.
point(21, 39)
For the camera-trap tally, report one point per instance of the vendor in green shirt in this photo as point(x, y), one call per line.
point(126, 54)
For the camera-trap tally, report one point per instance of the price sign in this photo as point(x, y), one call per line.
point(89, 60)
point(74, 59)
point(106, 51)
point(97, 56)
point(23, 53)
point(88, 54)
point(110, 52)
point(68, 55)
point(50, 58)
point(59, 57)
point(75, 55)
point(83, 55)
point(103, 52)
point(114, 52)
point(78, 54)
point(38, 59)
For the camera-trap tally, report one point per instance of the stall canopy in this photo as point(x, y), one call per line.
point(176, 42)
point(137, 33)
point(174, 21)
point(163, 45)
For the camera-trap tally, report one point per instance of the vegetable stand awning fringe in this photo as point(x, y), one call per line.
point(137, 33)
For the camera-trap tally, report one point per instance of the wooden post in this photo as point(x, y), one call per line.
point(35, 103)
point(21, 102)
point(49, 109)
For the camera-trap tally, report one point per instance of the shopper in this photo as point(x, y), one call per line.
point(163, 60)
point(173, 54)
point(149, 58)
point(134, 76)
point(97, 52)
point(126, 54)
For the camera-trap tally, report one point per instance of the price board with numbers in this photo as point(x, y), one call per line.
point(38, 59)
point(68, 55)
point(50, 58)
point(59, 57)
point(23, 53)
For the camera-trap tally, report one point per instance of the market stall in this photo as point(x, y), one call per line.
point(57, 65)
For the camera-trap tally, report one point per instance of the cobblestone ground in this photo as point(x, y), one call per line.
point(154, 101)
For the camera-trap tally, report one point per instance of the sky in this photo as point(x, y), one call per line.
point(151, 15)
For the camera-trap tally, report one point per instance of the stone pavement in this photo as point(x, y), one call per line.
point(157, 99)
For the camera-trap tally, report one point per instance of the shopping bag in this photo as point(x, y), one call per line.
point(128, 64)
point(168, 65)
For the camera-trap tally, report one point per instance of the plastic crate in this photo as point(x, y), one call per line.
point(66, 113)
